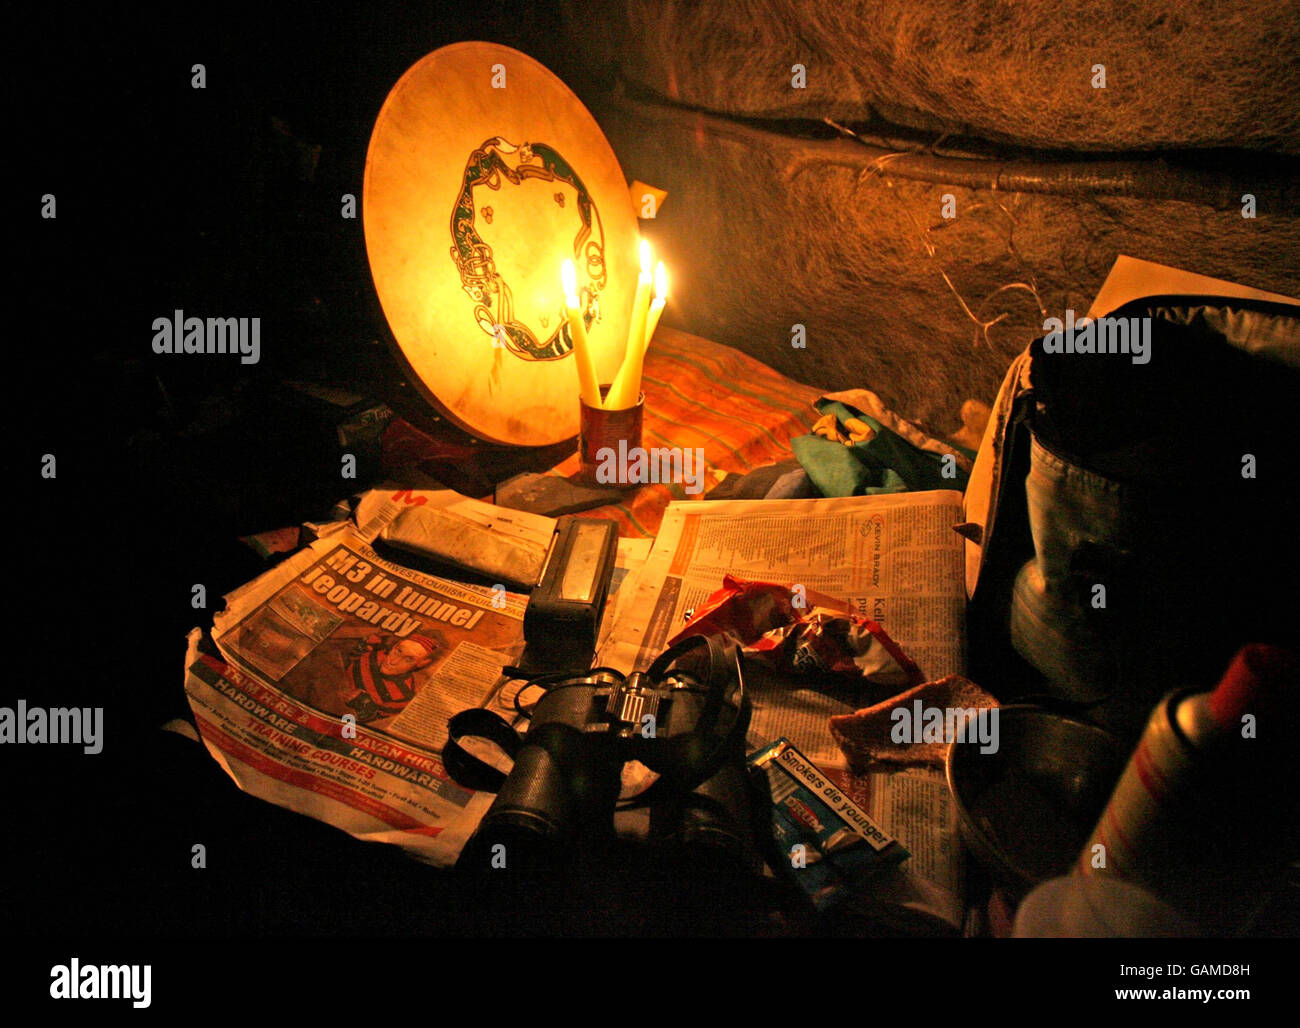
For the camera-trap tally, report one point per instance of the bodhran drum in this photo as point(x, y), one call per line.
point(484, 173)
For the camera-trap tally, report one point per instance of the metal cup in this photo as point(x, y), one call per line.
point(605, 434)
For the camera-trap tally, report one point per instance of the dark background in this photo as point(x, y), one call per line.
point(219, 201)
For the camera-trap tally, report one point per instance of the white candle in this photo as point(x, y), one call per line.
point(657, 307)
point(627, 383)
point(588, 388)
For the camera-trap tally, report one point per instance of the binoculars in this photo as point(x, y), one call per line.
point(683, 720)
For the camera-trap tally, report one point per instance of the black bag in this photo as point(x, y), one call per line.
point(1133, 523)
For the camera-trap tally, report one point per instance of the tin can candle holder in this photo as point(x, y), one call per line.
point(605, 437)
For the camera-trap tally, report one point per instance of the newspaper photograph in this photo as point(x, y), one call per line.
point(327, 683)
point(333, 679)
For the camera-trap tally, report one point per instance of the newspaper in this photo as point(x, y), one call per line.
point(915, 806)
point(328, 682)
point(896, 559)
point(507, 546)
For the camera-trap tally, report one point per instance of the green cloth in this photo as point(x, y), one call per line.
point(887, 463)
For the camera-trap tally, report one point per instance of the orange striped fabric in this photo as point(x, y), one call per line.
point(742, 413)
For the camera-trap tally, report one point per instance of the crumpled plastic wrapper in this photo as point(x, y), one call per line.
point(817, 638)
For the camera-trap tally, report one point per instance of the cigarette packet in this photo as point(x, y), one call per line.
point(827, 842)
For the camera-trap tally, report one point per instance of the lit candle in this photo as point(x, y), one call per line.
point(657, 306)
point(588, 388)
point(629, 380)
point(627, 383)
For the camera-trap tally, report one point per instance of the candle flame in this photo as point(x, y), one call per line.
point(645, 257)
point(661, 281)
point(570, 279)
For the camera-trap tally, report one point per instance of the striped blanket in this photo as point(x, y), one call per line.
point(703, 394)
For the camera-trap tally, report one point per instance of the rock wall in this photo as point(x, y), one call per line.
point(1201, 73)
point(759, 238)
